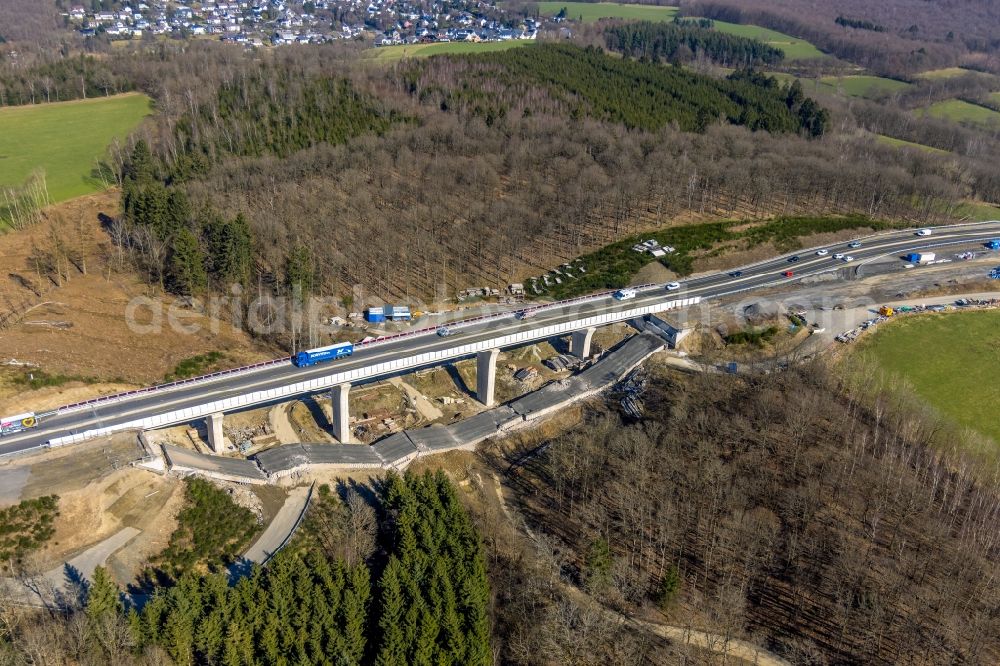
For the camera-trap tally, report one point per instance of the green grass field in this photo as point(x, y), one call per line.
point(950, 360)
point(945, 73)
point(977, 211)
point(863, 85)
point(899, 143)
point(794, 48)
point(592, 11)
point(960, 111)
point(393, 53)
point(65, 139)
point(853, 85)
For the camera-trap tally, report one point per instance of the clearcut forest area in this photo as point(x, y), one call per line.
point(66, 141)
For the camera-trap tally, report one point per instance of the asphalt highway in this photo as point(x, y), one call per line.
point(756, 276)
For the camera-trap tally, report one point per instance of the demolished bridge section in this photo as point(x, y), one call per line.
point(398, 450)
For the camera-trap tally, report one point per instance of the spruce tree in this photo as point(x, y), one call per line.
point(355, 613)
point(393, 648)
point(103, 596)
point(186, 264)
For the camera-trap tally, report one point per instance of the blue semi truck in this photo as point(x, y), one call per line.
point(320, 354)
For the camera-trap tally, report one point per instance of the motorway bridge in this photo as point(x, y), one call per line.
point(211, 396)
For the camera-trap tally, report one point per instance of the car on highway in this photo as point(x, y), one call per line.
point(443, 331)
point(847, 258)
point(736, 274)
point(673, 285)
point(792, 260)
point(525, 314)
point(623, 294)
point(854, 245)
point(924, 232)
point(788, 273)
point(822, 253)
point(838, 256)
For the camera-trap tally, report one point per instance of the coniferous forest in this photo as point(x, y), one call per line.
point(589, 83)
point(683, 42)
point(421, 597)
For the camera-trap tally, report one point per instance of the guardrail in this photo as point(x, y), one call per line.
point(379, 368)
point(117, 397)
point(108, 399)
point(291, 532)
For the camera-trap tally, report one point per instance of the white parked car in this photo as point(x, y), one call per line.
point(822, 253)
point(838, 256)
point(924, 232)
point(673, 285)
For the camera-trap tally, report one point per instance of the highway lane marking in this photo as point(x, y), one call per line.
point(483, 330)
point(391, 348)
point(283, 380)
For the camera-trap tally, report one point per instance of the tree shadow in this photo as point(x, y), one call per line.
point(101, 176)
point(240, 568)
point(74, 592)
point(369, 492)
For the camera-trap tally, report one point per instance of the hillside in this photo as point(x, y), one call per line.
point(899, 37)
point(774, 508)
point(65, 302)
point(453, 171)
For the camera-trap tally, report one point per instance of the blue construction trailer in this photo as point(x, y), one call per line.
point(321, 354)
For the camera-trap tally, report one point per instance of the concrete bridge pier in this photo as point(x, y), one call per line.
point(579, 344)
point(216, 440)
point(341, 412)
point(486, 376)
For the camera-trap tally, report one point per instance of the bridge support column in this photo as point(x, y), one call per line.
point(216, 440)
point(341, 412)
point(486, 376)
point(580, 342)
